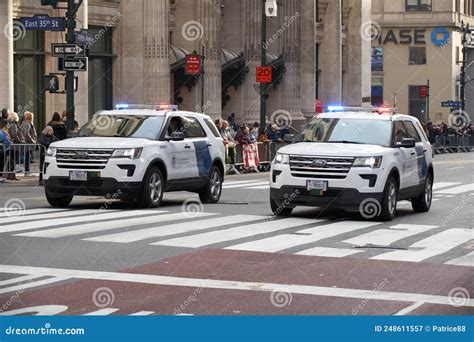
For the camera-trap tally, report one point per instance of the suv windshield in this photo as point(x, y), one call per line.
point(349, 131)
point(123, 126)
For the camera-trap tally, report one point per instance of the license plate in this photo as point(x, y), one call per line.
point(78, 176)
point(316, 185)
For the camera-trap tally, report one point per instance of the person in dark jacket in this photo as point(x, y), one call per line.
point(58, 126)
point(431, 133)
point(18, 140)
point(46, 139)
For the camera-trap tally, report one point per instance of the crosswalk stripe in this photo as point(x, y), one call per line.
point(282, 242)
point(430, 247)
point(5, 212)
point(104, 226)
point(143, 313)
point(458, 190)
point(329, 252)
point(69, 220)
point(240, 182)
point(30, 285)
point(258, 187)
point(18, 280)
point(387, 236)
point(466, 260)
point(441, 185)
point(102, 312)
point(45, 216)
point(241, 232)
point(175, 228)
point(245, 185)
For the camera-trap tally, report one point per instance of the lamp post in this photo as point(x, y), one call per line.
point(466, 41)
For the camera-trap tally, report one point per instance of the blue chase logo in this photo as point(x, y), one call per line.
point(440, 36)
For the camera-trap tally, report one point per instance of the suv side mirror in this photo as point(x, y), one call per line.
point(288, 138)
point(407, 143)
point(176, 136)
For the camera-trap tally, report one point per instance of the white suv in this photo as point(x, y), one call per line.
point(360, 159)
point(137, 153)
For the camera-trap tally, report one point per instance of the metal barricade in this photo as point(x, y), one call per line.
point(453, 143)
point(266, 152)
point(22, 158)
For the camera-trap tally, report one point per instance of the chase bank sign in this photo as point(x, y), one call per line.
point(440, 36)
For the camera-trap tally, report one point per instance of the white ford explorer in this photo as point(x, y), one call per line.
point(137, 153)
point(356, 159)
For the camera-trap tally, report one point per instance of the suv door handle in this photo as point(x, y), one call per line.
point(209, 145)
point(412, 153)
point(187, 147)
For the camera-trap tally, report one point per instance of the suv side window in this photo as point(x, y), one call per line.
point(400, 131)
point(175, 125)
point(193, 129)
point(412, 132)
point(212, 127)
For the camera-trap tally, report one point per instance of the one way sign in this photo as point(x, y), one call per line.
point(69, 50)
point(72, 64)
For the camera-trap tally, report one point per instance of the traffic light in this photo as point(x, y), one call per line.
point(53, 3)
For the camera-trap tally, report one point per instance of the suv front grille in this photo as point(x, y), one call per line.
point(320, 167)
point(88, 159)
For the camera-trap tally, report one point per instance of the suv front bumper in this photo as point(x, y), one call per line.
point(62, 186)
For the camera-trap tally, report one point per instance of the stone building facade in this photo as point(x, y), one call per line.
point(314, 48)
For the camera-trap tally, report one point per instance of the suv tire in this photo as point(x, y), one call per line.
point(152, 190)
point(59, 202)
point(279, 210)
point(422, 203)
point(211, 193)
point(389, 200)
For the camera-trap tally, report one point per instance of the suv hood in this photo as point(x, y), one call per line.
point(333, 150)
point(101, 143)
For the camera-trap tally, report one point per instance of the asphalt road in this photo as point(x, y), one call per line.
point(233, 258)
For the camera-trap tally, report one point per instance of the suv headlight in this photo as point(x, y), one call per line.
point(372, 162)
point(131, 153)
point(281, 158)
point(51, 151)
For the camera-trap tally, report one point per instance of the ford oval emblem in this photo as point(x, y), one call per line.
point(320, 163)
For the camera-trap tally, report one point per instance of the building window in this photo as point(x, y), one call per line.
point(417, 56)
point(377, 90)
point(377, 59)
point(417, 104)
point(418, 5)
point(100, 71)
point(28, 71)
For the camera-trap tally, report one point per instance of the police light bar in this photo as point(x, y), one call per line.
point(380, 110)
point(162, 106)
point(165, 106)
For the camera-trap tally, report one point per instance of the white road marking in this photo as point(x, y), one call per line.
point(82, 219)
point(441, 185)
point(4, 212)
point(17, 280)
point(409, 308)
point(240, 182)
point(246, 185)
point(241, 232)
point(175, 228)
point(282, 242)
point(430, 247)
point(466, 260)
point(259, 187)
point(102, 312)
point(30, 285)
point(234, 285)
point(44, 216)
point(329, 252)
point(385, 237)
point(458, 190)
point(105, 226)
point(143, 313)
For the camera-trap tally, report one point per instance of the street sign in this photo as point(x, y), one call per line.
point(72, 64)
point(69, 50)
point(85, 37)
point(193, 64)
point(51, 83)
point(264, 75)
point(43, 22)
point(451, 104)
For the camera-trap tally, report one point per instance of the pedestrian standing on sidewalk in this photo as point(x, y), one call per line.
point(58, 126)
point(4, 149)
point(31, 138)
point(5, 114)
point(16, 138)
point(46, 139)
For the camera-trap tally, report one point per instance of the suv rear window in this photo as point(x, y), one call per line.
point(212, 127)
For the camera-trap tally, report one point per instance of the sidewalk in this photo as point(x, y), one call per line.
point(24, 181)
